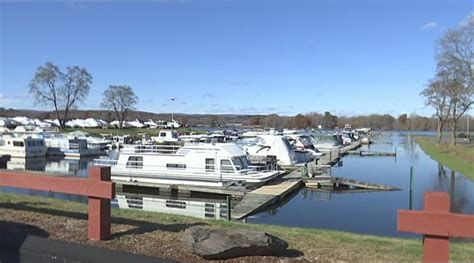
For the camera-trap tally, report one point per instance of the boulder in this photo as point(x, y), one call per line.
point(211, 243)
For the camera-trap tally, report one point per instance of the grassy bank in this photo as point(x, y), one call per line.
point(158, 234)
point(460, 159)
point(127, 131)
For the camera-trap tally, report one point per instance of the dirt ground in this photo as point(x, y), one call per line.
point(135, 236)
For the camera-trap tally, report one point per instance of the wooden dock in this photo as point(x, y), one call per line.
point(340, 183)
point(372, 153)
point(332, 157)
point(266, 195)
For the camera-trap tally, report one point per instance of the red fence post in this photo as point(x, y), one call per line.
point(436, 248)
point(99, 208)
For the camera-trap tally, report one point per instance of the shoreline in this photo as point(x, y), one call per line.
point(157, 234)
point(460, 159)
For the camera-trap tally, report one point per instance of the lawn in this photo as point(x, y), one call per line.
point(158, 234)
point(460, 159)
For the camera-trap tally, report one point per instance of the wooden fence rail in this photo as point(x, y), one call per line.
point(437, 225)
point(97, 187)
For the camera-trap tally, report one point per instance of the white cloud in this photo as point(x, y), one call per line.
point(429, 25)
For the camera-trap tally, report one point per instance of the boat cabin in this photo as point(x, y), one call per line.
point(22, 146)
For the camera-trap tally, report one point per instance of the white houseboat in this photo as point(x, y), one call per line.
point(23, 146)
point(166, 136)
point(214, 165)
point(65, 146)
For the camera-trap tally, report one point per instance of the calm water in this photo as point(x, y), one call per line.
point(369, 213)
point(374, 213)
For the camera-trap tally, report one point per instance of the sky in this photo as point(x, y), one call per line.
point(233, 57)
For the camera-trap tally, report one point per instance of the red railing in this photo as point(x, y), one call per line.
point(97, 187)
point(437, 225)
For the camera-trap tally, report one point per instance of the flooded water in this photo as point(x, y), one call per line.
point(369, 213)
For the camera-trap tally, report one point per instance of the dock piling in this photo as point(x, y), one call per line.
point(229, 207)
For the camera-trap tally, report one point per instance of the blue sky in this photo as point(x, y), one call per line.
point(244, 57)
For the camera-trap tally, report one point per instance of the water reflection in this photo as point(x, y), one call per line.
point(361, 212)
point(200, 208)
point(376, 213)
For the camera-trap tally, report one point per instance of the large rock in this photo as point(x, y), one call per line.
point(224, 243)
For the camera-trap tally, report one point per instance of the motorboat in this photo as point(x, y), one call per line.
point(200, 164)
point(279, 146)
point(327, 142)
point(305, 142)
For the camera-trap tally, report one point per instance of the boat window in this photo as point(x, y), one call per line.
point(176, 165)
point(210, 165)
point(226, 166)
point(244, 161)
point(237, 163)
point(30, 143)
point(18, 144)
point(162, 134)
point(135, 162)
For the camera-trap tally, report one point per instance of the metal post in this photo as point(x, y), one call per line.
point(229, 208)
point(453, 174)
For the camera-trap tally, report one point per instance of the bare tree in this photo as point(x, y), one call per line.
point(437, 96)
point(63, 91)
point(455, 57)
point(329, 120)
point(302, 122)
point(121, 100)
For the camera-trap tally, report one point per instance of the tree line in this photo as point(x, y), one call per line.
point(451, 90)
point(65, 90)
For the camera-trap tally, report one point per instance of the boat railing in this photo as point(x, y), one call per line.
point(135, 166)
point(142, 148)
point(105, 162)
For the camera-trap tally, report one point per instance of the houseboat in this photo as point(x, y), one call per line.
point(166, 136)
point(65, 146)
point(22, 146)
point(212, 165)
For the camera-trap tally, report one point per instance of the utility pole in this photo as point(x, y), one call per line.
point(172, 107)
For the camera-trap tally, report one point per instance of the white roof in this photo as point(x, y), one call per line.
point(229, 149)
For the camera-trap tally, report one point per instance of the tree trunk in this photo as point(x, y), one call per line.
point(455, 123)
point(440, 132)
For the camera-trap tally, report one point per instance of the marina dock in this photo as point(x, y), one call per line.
point(372, 153)
point(333, 156)
point(332, 182)
point(266, 195)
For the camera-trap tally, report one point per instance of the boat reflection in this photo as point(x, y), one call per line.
point(200, 208)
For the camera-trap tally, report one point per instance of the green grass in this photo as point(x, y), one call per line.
point(315, 244)
point(128, 131)
point(460, 159)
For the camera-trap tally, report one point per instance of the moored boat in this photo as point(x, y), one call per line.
point(213, 165)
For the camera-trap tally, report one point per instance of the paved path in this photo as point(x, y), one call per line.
point(17, 247)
